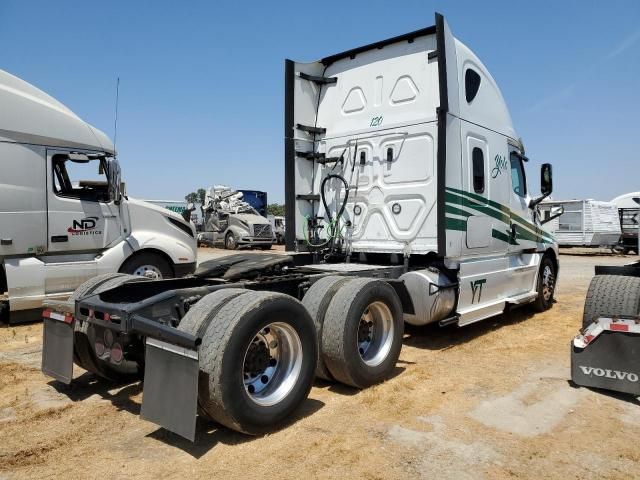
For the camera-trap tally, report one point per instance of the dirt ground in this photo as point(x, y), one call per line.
point(491, 400)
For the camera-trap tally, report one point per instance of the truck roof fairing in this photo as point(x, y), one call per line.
point(29, 115)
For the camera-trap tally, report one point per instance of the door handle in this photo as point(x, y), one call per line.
point(59, 238)
point(514, 231)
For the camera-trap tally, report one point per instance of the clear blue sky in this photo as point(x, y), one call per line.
point(201, 93)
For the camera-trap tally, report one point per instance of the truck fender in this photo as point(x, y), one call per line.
point(403, 294)
point(177, 250)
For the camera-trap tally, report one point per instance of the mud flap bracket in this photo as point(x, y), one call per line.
point(170, 395)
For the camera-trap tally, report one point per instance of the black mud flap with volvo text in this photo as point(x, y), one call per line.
point(57, 345)
point(607, 355)
point(170, 397)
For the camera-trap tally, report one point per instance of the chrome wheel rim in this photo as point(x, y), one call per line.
point(548, 283)
point(148, 271)
point(231, 242)
point(375, 334)
point(272, 364)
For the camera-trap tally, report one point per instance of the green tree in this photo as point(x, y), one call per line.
point(197, 196)
point(275, 209)
point(201, 192)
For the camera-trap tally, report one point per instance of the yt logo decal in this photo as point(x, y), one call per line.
point(476, 287)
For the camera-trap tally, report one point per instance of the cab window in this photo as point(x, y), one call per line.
point(81, 179)
point(518, 179)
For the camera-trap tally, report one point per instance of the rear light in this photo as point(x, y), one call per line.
point(99, 346)
point(116, 353)
point(108, 338)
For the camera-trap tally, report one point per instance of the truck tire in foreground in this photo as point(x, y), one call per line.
point(316, 301)
point(611, 295)
point(84, 354)
point(362, 332)
point(257, 357)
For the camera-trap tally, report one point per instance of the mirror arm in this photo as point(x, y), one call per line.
point(553, 217)
point(535, 201)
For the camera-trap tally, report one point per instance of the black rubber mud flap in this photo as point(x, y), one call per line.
point(611, 362)
point(170, 396)
point(57, 348)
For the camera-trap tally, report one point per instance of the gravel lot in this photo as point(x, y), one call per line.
point(491, 400)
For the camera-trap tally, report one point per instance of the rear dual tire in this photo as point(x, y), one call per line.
point(359, 322)
point(257, 357)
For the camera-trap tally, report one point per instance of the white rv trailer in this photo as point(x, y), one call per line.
point(63, 215)
point(583, 223)
point(629, 211)
point(406, 200)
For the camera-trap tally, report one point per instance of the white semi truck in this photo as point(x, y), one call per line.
point(64, 217)
point(406, 200)
point(231, 222)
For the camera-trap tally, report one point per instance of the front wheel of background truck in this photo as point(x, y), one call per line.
point(546, 285)
point(610, 295)
point(230, 241)
point(362, 332)
point(257, 360)
point(83, 352)
point(149, 265)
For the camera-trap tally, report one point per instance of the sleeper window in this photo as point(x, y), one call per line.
point(518, 179)
point(471, 84)
point(477, 158)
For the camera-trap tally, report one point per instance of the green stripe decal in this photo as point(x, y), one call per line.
point(456, 211)
point(505, 237)
point(456, 224)
point(499, 212)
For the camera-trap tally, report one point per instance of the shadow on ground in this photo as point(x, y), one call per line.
point(209, 434)
point(86, 385)
point(434, 337)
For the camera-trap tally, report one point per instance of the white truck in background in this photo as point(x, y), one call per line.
point(64, 217)
point(232, 223)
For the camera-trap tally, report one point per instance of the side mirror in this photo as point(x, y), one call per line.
point(554, 213)
point(546, 179)
point(546, 184)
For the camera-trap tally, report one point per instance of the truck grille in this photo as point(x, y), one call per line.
point(262, 231)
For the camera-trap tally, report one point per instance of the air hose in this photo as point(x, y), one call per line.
point(334, 222)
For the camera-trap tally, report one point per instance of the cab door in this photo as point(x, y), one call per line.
point(524, 233)
point(522, 229)
point(82, 214)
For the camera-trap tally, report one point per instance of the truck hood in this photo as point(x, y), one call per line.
point(251, 218)
point(141, 204)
